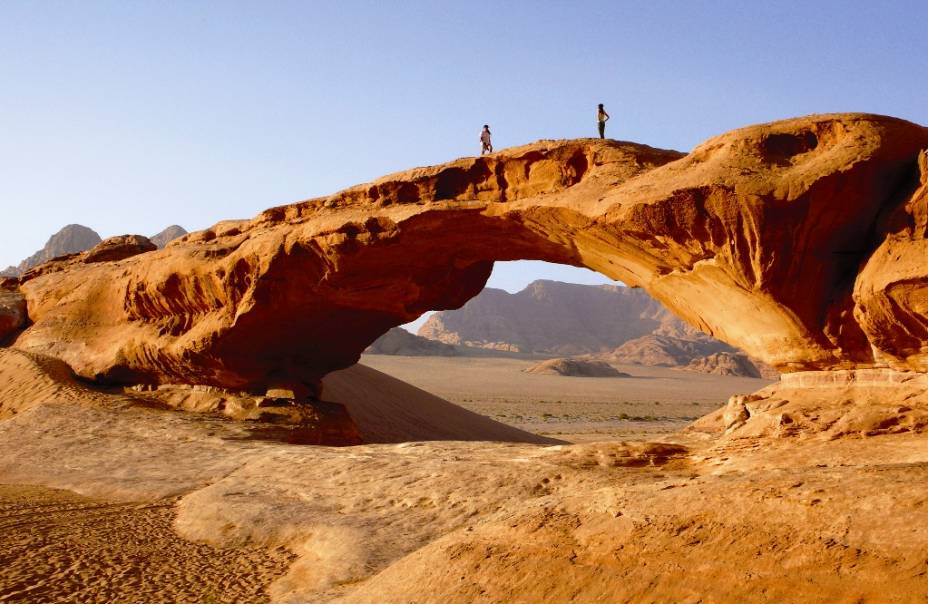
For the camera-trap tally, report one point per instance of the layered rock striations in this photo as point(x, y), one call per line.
point(795, 241)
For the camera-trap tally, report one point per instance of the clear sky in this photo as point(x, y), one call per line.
point(129, 116)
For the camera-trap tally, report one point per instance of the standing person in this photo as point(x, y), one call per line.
point(486, 144)
point(602, 117)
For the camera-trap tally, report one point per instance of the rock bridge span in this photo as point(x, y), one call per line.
point(801, 242)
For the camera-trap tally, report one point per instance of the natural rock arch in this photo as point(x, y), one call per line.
point(778, 239)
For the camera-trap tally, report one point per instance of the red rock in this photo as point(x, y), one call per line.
point(12, 308)
point(754, 238)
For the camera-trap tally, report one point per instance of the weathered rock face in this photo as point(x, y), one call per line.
point(12, 308)
point(756, 237)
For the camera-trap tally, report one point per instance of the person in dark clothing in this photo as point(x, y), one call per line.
point(601, 118)
point(486, 145)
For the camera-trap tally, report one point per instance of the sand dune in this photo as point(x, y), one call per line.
point(388, 410)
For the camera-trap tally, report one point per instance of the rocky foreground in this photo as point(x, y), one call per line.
point(786, 513)
point(801, 242)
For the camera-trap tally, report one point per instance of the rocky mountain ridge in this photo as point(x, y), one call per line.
point(608, 322)
point(76, 238)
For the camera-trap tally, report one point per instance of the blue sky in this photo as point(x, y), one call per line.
point(129, 116)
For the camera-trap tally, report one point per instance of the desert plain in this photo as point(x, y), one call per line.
point(652, 401)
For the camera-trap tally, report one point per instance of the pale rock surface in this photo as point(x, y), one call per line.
point(826, 405)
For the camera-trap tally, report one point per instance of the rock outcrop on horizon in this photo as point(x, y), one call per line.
point(665, 351)
point(398, 341)
point(575, 368)
point(168, 235)
point(725, 363)
point(71, 239)
point(800, 242)
point(76, 238)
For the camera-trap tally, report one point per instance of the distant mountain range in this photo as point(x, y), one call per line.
point(554, 318)
point(75, 238)
point(548, 318)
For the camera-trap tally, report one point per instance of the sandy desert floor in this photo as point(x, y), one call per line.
point(108, 497)
point(655, 401)
point(56, 546)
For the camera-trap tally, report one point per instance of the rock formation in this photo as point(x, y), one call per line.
point(665, 351)
point(168, 235)
point(12, 309)
point(725, 363)
point(800, 242)
point(400, 342)
point(575, 368)
point(71, 239)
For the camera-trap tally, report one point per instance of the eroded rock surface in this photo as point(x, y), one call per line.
point(12, 308)
point(755, 237)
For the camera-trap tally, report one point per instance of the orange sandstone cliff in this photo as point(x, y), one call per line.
point(801, 242)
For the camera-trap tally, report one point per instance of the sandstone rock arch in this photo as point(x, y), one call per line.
point(793, 241)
